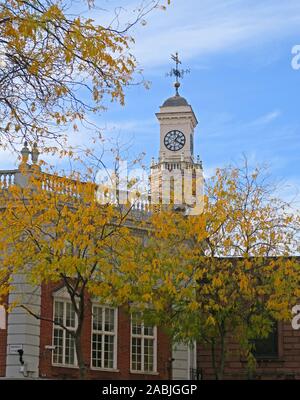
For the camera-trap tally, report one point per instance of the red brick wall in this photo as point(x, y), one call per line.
point(3, 335)
point(123, 347)
point(286, 366)
point(3, 343)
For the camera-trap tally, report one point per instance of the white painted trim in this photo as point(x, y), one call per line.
point(143, 373)
point(65, 366)
point(61, 293)
point(104, 369)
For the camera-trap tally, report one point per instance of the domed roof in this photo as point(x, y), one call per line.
point(175, 101)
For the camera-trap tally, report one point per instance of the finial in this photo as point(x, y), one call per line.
point(25, 153)
point(177, 86)
point(34, 153)
point(179, 74)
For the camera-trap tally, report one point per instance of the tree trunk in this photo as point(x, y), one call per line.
point(78, 335)
point(80, 358)
point(222, 360)
point(219, 365)
point(213, 358)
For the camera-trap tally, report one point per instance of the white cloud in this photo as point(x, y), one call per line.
point(129, 126)
point(8, 160)
point(208, 26)
point(266, 119)
point(289, 191)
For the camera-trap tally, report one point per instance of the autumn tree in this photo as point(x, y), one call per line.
point(226, 272)
point(57, 66)
point(67, 230)
point(252, 234)
point(4, 284)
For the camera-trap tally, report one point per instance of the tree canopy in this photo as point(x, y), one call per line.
point(56, 66)
point(228, 271)
point(55, 229)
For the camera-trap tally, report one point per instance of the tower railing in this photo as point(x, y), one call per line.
point(68, 186)
point(7, 178)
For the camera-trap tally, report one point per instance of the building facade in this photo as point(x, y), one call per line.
point(277, 357)
point(115, 346)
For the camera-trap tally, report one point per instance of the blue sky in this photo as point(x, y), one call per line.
point(241, 86)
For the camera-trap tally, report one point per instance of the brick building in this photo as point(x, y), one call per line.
point(277, 357)
point(115, 345)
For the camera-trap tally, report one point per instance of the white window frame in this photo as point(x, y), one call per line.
point(142, 336)
point(104, 333)
point(63, 364)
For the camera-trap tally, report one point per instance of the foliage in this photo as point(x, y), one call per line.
point(56, 67)
point(227, 271)
point(54, 229)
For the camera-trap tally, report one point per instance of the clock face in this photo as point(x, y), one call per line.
point(174, 140)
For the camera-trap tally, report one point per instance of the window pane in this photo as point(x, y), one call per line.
point(148, 354)
point(97, 350)
point(97, 318)
point(64, 352)
point(108, 351)
point(136, 352)
point(267, 347)
point(70, 316)
point(109, 320)
point(142, 344)
point(136, 324)
point(148, 330)
point(58, 343)
point(58, 312)
point(69, 349)
point(103, 345)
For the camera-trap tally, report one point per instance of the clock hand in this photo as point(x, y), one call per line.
point(178, 141)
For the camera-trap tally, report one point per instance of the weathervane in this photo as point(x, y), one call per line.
point(178, 73)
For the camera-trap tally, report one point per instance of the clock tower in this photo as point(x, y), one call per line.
point(177, 123)
point(176, 177)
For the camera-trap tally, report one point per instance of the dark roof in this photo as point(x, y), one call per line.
point(175, 101)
